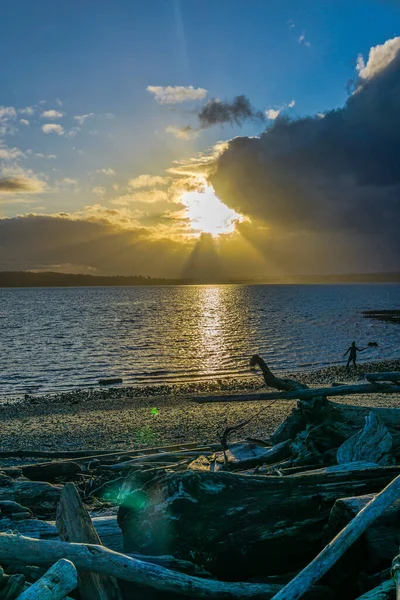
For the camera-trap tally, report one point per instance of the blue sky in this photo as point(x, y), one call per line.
point(98, 57)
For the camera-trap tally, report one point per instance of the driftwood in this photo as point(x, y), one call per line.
point(106, 527)
point(336, 548)
point(228, 522)
point(304, 394)
point(373, 444)
point(384, 591)
point(271, 380)
point(37, 496)
point(240, 456)
point(55, 584)
point(11, 586)
point(74, 525)
point(51, 471)
point(374, 551)
point(99, 559)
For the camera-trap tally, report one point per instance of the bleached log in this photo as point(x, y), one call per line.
point(74, 525)
point(303, 394)
point(55, 584)
point(178, 455)
point(384, 591)
point(338, 546)
point(372, 444)
point(101, 560)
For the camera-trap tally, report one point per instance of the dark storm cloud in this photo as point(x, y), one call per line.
point(235, 112)
point(333, 172)
point(35, 241)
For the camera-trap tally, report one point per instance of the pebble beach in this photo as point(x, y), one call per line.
point(127, 418)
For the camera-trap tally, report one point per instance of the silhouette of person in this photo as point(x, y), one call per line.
point(353, 354)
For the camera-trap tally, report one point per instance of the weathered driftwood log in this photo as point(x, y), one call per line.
point(342, 542)
point(175, 456)
point(55, 584)
point(237, 526)
point(74, 525)
point(51, 471)
point(304, 394)
point(384, 591)
point(240, 456)
point(271, 380)
point(106, 527)
point(372, 377)
point(396, 575)
point(11, 586)
point(374, 550)
point(39, 497)
point(373, 443)
point(99, 559)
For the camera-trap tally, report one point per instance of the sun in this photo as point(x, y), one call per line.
point(208, 214)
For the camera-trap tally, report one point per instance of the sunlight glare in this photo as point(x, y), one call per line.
point(208, 214)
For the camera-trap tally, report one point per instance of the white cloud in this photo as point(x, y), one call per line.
point(73, 132)
point(303, 41)
point(11, 154)
point(82, 118)
point(53, 128)
point(99, 191)
point(28, 110)
point(273, 113)
point(45, 156)
point(144, 181)
point(176, 94)
point(185, 133)
point(291, 24)
point(52, 114)
point(292, 103)
point(379, 57)
point(7, 112)
point(24, 122)
point(360, 64)
point(67, 183)
point(108, 172)
point(59, 102)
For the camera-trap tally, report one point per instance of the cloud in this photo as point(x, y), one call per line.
point(24, 122)
point(28, 110)
point(107, 172)
point(379, 58)
point(67, 183)
point(8, 115)
point(235, 112)
point(99, 191)
point(176, 94)
point(73, 132)
point(82, 118)
point(145, 181)
point(11, 154)
point(182, 133)
point(7, 112)
point(272, 113)
point(52, 114)
point(303, 41)
point(16, 185)
point(53, 128)
point(334, 176)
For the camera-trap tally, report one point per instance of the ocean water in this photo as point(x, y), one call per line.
point(64, 338)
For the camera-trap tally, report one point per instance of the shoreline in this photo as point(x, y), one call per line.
point(129, 418)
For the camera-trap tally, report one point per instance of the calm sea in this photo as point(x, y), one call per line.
point(64, 338)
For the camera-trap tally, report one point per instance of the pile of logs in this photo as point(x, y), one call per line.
point(313, 511)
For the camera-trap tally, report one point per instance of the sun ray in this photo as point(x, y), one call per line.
point(208, 214)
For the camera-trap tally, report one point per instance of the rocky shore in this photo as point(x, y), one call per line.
point(122, 418)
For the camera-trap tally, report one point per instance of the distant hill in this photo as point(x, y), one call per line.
point(51, 279)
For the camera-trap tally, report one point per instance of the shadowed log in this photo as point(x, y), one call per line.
point(372, 444)
point(74, 525)
point(237, 526)
point(40, 497)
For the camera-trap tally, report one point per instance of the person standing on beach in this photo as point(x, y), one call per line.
point(353, 354)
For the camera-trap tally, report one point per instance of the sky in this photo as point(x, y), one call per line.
point(200, 138)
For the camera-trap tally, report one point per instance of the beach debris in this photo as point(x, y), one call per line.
point(55, 584)
point(234, 519)
point(111, 381)
point(372, 444)
point(74, 525)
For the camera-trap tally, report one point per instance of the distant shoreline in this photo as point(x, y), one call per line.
point(49, 279)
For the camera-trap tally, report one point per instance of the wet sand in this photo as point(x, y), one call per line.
point(128, 418)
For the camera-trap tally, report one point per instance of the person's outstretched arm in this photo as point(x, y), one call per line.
point(347, 351)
